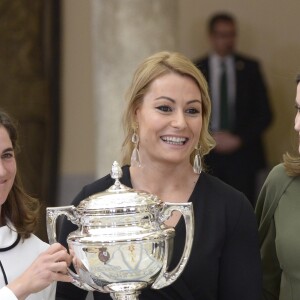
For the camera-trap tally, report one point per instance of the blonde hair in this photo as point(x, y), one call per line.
point(292, 163)
point(157, 65)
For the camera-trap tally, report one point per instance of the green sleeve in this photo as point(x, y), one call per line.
point(268, 199)
point(270, 265)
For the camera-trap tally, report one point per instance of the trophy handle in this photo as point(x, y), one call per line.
point(52, 214)
point(166, 278)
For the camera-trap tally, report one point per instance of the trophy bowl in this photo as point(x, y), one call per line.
point(122, 244)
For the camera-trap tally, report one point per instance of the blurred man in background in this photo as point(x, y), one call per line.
point(240, 108)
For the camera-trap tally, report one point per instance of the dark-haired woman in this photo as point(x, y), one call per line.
point(278, 211)
point(29, 268)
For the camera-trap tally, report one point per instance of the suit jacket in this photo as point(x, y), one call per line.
point(252, 110)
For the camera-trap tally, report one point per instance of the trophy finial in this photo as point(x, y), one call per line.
point(116, 171)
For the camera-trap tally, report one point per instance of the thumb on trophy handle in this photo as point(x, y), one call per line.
point(166, 278)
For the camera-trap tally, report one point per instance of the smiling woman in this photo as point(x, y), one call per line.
point(34, 277)
point(26, 221)
point(153, 68)
point(166, 118)
point(7, 166)
point(169, 120)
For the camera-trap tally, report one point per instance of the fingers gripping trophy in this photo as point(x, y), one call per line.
point(122, 244)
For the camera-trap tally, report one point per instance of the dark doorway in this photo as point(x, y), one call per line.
point(29, 90)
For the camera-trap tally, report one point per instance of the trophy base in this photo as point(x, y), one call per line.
point(126, 290)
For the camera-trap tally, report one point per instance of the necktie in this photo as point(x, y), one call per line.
point(224, 111)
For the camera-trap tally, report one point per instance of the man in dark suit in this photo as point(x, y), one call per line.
point(240, 108)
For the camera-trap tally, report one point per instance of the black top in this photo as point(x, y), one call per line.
point(224, 263)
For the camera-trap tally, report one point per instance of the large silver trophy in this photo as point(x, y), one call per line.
point(122, 244)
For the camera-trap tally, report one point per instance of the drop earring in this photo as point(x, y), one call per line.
point(135, 156)
point(197, 167)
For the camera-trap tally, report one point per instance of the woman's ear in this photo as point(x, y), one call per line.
point(136, 115)
point(135, 119)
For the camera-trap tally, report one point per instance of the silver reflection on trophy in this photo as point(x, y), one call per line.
point(122, 244)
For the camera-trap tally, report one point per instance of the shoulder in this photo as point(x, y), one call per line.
point(98, 185)
point(278, 171)
point(220, 190)
point(273, 188)
point(277, 179)
point(224, 197)
point(35, 244)
point(249, 67)
point(246, 59)
point(228, 205)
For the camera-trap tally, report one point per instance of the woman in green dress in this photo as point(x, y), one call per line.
point(278, 214)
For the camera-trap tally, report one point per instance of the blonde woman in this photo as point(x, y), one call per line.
point(166, 136)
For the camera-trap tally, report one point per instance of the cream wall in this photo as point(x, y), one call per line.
point(77, 106)
point(77, 162)
point(268, 30)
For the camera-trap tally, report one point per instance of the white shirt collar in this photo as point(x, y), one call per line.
point(217, 59)
point(8, 235)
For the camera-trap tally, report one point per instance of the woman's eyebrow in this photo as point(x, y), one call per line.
point(173, 101)
point(165, 97)
point(8, 150)
point(193, 101)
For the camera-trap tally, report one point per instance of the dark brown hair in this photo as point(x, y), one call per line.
point(292, 163)
point(220, 17)
point(19, 208)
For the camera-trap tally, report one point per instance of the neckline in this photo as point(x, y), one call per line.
point(14, 244)
point(126, 180)
point(9, 237)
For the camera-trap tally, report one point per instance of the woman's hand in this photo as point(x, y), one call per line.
point(51, 265)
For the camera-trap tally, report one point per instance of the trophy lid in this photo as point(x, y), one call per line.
point(118, 198)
